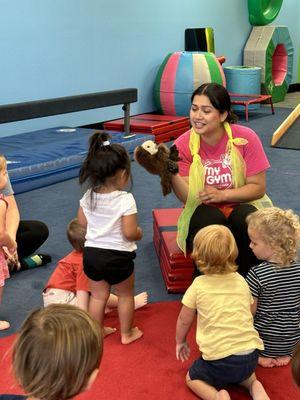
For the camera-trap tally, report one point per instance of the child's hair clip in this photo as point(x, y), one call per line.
point(106, 143)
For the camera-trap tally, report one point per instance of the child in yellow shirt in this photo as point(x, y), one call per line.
point(225, 333)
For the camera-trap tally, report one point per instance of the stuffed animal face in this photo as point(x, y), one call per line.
point(150, 146)
point(158, 160)
point(152, 157)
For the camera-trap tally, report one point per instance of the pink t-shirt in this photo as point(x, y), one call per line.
point(217, 162)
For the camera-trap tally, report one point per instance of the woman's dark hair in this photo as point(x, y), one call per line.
point(219, 98)
point(103, 161)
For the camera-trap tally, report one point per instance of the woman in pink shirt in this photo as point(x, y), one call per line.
point(222, 172)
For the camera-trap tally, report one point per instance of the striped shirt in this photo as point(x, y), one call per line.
point(277, 317)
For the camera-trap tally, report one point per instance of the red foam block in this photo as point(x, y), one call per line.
point(177, 270)
point(150, 123)
point(175, 256)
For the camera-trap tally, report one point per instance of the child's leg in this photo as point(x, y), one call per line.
point(82, 299)
point(255, 388)
point(112, 303)
point(99, 296)
point(203, 389)
point(140, 300)
point(222, 395)
point(3, 324)
point(124, 291)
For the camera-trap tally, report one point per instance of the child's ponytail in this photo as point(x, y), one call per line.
point(99, 141)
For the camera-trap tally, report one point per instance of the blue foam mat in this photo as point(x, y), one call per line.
point(41, 158)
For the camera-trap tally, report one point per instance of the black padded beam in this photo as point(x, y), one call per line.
point(63, 105)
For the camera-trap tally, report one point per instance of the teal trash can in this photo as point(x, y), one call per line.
point(243, 80)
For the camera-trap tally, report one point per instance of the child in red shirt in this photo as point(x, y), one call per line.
point(68, 284)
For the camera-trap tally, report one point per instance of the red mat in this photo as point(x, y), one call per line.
point(147, 369)
point(164, 127)
point(151, 123)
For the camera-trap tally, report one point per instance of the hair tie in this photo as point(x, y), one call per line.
point(106, 143)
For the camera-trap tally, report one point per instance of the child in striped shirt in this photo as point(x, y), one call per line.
point(275, 283)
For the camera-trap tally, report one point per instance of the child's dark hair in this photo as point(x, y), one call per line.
point(103, 161)
point(76, 234)
point(219, 98)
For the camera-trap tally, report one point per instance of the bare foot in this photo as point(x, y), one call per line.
point(266, 362)
point(258, 392)
point(4, 325)
point(282, 361)
point(222, 395)
point(134, 334)
point(140, 300)
point(107, 330)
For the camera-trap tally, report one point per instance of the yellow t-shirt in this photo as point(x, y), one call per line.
point(224, 320)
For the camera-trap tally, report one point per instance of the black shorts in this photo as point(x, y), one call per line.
point(112, 266)
point(229, 370)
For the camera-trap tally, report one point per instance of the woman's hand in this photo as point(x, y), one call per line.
point(211, 195)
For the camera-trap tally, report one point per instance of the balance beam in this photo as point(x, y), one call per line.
point(287, 123)
point(62, 105)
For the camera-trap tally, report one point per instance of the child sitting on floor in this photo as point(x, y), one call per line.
point(68, 284)
point(57, 353)
point(225, 333)
point(275, 283)
point(5, 239)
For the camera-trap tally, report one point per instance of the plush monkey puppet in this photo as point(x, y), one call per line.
point(158, 160)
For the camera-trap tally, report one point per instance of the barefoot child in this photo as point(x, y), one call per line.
point(5, 239)
point(68, 284)
point(275, 283)
point(57, 353)
point(225, 333)
point(110, 215)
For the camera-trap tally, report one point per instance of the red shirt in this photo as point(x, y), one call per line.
point(69, 275)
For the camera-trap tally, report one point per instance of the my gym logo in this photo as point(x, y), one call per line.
point(218, 172)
